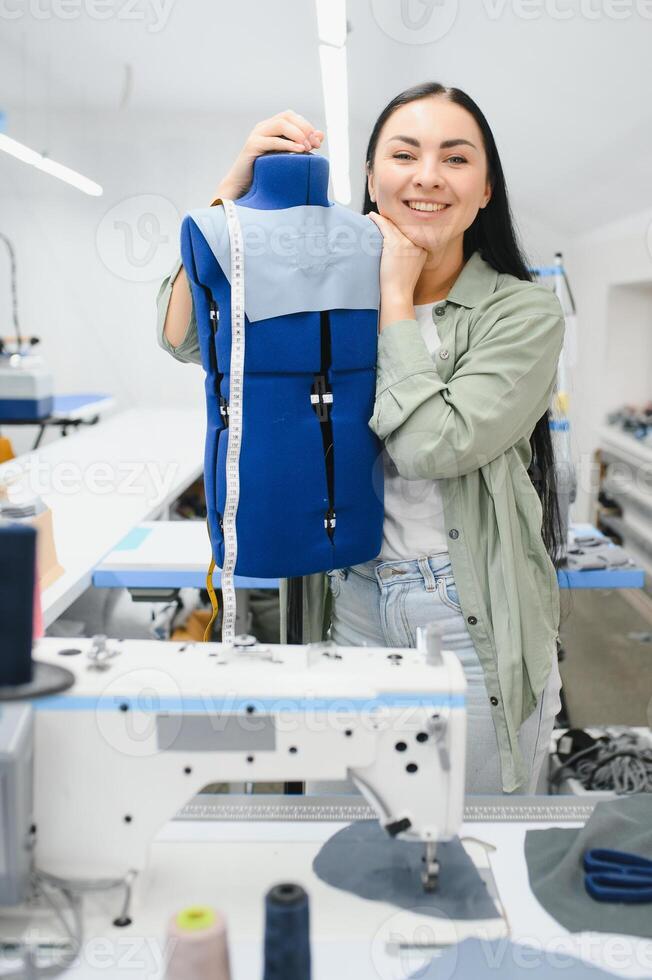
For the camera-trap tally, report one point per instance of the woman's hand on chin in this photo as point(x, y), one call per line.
point(401, 264)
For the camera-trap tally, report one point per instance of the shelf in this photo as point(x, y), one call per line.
point(622, 446)
point(637, 542)
point(639, 499)
point(633, 526)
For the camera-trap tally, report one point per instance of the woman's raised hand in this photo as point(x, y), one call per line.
point(286, 132)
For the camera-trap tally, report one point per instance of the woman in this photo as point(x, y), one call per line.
point(467, 355)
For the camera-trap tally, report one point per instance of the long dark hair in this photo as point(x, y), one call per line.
point(493, 234)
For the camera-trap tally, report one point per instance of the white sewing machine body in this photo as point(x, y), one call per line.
point(144, 730)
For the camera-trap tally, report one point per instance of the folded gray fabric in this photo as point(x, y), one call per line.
point(474, 959)
point(364, 860)
point(613, 554)
point(554, 863)
point(582, 562)
point(585, 540)
point(603, 556)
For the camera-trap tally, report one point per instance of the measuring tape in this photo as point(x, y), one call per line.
point(236, 385)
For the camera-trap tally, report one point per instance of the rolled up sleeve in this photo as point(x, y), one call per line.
point(188, 350)
point(500, 388)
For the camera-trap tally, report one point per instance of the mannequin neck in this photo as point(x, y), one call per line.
point(286, 180)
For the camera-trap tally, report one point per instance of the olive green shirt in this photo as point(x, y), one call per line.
point(465, 418)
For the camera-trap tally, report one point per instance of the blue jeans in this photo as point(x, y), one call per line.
point(381, 603)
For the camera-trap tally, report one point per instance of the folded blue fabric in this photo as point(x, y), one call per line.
point(301, 258)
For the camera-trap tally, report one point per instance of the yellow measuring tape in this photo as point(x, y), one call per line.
point(211, 593)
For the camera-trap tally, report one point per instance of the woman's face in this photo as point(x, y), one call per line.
point(430, 150)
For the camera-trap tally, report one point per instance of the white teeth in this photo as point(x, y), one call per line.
point(423, 206)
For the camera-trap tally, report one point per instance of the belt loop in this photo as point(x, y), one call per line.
point(380, 578)
point(428, 577)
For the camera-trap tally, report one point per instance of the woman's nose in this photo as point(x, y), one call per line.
point(429, 178)
point(429, 174)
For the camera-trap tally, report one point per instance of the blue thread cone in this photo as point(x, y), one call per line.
point(287, 933)
point(17, 570)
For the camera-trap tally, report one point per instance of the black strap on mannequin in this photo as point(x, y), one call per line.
point(214, 315)
point(322, 402)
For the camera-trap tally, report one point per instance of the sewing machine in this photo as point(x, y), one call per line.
point(25, 384)
point(146, 725)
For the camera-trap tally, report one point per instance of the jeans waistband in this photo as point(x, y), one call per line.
point(387, 573)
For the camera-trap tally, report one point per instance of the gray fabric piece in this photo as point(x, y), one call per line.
point(584, 562)
point(474, 959)
point(613, 554)
point(554, 862)
point(300, 259)
point(586, 540)
point(602, 556)
point(364, 860)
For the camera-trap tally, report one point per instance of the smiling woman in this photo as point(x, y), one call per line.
point(429, 189)
point(467, 359)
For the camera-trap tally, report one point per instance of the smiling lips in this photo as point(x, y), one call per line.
point(428, 207)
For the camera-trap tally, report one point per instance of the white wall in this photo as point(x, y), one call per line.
point(87, 287)
point(610, 272)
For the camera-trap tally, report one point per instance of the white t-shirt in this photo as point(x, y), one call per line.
point(414, 515)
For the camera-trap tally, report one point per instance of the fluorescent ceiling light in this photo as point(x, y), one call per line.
point(331, 22)
point(24, 153)
point(336, 106)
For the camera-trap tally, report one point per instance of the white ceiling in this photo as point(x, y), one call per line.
point(568, 99)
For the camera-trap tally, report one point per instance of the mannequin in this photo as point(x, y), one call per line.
point(311, 489)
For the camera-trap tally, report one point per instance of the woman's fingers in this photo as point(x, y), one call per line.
point(306, 127)
point(387, 228)
point(284, 132)
point(285, 146)
point(280, 127)
point(298, 132)
point(381, 222)
point(392, 232)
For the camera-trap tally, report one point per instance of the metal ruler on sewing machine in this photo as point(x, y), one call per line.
point(342, 809)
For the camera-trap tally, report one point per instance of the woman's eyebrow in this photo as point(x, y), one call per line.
point(445, 145)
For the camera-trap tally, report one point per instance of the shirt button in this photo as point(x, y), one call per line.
point(494, 701)
point(453, 533)
point(440, 310)
point(472, 620)
point(443, 354)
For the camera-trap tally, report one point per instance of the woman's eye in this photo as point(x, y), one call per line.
point(406, 156)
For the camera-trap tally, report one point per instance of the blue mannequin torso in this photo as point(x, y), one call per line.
point(311, 483)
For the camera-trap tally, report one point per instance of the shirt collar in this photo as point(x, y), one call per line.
point(476, 281)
